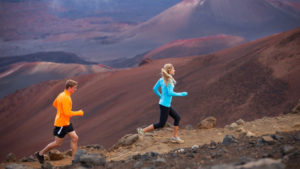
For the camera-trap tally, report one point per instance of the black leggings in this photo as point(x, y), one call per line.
point(164, 113)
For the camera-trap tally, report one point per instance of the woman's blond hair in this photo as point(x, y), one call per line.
point(165, 72)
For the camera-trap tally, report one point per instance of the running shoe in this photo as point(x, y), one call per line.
point(177, 140)
point(140, 131)
point(39, 157)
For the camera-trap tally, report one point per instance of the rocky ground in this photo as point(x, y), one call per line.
point(270, 142)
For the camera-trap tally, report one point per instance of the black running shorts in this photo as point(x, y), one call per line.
point(62, 131)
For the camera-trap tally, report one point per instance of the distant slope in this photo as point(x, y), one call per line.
point(257, 79)
point(196, 46)
point(17, 72)
point(57, 57)
point(181, 48)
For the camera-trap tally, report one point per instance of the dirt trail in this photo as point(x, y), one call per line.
point(159, 140)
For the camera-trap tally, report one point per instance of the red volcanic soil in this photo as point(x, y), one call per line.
point(196, 46)
point(250, 81)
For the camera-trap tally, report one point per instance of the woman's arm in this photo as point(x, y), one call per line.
point(156, 87)
point(172, 93)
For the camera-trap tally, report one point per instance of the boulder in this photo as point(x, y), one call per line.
point(11, 157)
point(228, 139)
point(78, 154)
point(55, 155)
point(296, 109)
point(127, 140)
point(233, 126)
point(91, 160)
point(208, 123)
point(240, 122)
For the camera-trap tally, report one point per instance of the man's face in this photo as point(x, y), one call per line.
point(72, 89)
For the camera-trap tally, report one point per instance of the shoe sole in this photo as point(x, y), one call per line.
point(173, 141)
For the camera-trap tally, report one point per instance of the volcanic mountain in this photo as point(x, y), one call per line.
point(18, 72)
point(249, 81)
point(56, 25)
point(251, 19)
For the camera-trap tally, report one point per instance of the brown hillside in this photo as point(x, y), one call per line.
point(249, 81)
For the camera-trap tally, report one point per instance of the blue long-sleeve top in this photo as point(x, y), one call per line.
point(166, 92)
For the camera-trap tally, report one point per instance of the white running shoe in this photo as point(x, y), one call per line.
point(140, 131)
point(177, 140)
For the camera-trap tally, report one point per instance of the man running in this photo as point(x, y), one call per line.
point(62, 125)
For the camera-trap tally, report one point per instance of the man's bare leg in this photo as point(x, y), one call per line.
point(74, 140)
point(57, 142)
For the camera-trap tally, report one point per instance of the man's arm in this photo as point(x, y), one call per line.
point(67, 108)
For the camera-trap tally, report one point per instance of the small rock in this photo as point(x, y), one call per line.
point(208, 123)
point(229, 139)
point(240, 122)
point(260, 142)
point(296, 109)
point(68, 153)
point(297, 125)
point(95, 146)
point(242, 160)
point(137, 157)
point(268, 139)
point(297, 137)
point(194, 147)
point(160, 161)
point(241, 130)
point(216, 154)
point(265, 163)
point(16, 166)
point(55, 155)
point(168, 125)
point(190, 155)
point(138, 164)
point(250, 134)
point(11, 157)
point(47, 165)
point(189, 127)
point(27, 159)
point(154, 154)
point(287, 149)
point(181, 150)
point(276, 137)
point(146, 156)
point(233, 126)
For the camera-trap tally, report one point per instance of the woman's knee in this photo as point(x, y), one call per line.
point(159, 125)
point(177, 120)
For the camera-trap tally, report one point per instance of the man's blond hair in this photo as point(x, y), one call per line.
point(71, 83)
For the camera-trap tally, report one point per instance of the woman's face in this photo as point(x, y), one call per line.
point(172, 71)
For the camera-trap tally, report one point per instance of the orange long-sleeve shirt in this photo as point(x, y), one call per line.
point(63, 105)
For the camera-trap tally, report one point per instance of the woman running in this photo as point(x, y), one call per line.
point(166, 83)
